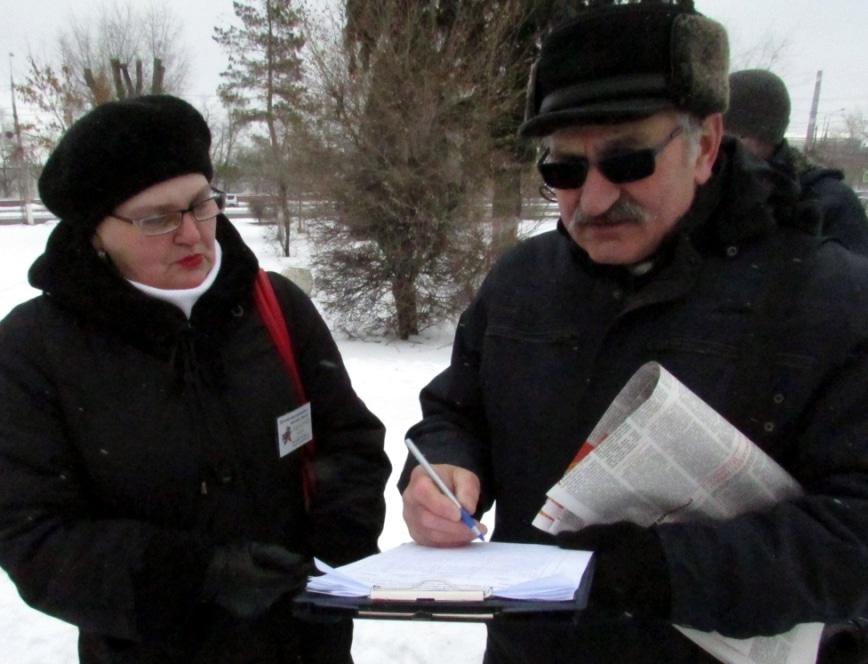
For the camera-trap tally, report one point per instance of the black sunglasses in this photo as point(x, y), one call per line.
point(625, 167)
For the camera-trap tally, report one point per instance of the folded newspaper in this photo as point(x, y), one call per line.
point(661, 454)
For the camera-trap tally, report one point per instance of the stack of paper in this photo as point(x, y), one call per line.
point(513, 571)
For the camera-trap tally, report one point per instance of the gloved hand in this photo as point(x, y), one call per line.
point(630, 573)
point(247, 578)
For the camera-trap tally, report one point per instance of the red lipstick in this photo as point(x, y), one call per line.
point(191, 262)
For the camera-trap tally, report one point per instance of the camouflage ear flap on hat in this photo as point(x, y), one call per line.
point(700, 57)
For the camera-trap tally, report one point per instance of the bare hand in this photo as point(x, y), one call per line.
point(433, 519)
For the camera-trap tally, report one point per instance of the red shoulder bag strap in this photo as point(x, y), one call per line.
point(275, 323)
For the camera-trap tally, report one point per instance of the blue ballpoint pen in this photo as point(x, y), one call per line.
point(466, 517)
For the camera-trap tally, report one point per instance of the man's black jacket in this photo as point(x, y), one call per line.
point(767, 323)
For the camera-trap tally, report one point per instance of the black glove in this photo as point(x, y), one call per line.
point(630, 573)
point(246, 579)
point(844, 643)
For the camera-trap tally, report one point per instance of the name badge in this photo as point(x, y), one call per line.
point(294, 430)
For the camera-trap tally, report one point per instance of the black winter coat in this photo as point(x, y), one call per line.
point(843, 217)
point(132, 441)
point(768, 324)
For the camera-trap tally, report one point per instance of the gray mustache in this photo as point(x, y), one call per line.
point(623, 211)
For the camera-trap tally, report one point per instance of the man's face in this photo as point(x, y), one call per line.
point(621, 224)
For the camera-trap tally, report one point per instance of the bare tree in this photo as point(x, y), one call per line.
point(163, 38)
point(772, 51)
point(56, 96)
point(7, 156)
point(262, 89)
point(226, 132)
point(856, 126)
point(109, 54)
point(124, 35)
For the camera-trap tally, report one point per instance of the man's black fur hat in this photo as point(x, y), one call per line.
point(119, 149)
point(627, 62)
point(759, 106)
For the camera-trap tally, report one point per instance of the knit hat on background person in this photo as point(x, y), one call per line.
point(627, 62)
point(120, 149)
point(759, 106)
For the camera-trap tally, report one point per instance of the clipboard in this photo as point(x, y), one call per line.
point(461, 604)
point(434, 591)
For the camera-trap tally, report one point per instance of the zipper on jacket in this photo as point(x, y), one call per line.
point(186, 366)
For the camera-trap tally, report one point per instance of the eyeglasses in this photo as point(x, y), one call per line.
point(572, 172)
point(166, 222)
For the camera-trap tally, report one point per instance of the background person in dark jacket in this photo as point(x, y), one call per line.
point(758, 114)
point(144, 494)
point(673, 247)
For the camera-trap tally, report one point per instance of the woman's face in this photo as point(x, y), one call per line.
point(179, 259)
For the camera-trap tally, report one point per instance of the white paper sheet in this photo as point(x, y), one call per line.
point(513, 571)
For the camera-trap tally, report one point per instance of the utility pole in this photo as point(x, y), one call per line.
point(23, 171)
point(811, 136)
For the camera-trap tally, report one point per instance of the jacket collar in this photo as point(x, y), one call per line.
point(746, 198)
point(800, 168)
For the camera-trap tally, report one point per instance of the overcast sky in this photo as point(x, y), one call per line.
point(831, 36)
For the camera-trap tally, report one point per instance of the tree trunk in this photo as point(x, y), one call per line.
point(120, 91)
point(139, 77)
point(300, 214)
point(404, 292)
point(285, 218)
point(157, 75)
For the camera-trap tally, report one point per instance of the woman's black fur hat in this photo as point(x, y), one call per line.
point(626, 62)
point(119, 149)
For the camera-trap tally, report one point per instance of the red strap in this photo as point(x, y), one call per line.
point(275, 323)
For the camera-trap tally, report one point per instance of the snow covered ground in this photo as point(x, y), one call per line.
point(388, 376)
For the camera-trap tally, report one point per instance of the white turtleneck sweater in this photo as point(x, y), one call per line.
point(185, 298)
